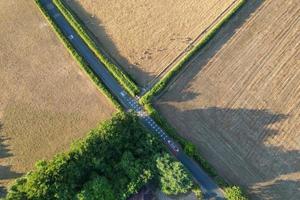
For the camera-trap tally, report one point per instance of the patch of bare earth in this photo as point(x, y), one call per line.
point(146, 36)
point(239, 100)
point(46, 102)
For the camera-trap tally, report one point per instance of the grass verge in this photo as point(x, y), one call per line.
point(83, 65)
point(161, 84)
point(231, 192)
point(79, 27)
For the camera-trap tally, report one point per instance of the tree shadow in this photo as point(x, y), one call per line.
point(237, 143)
point(214, 45)
point(293, 186)
point(94, 25)
point(5, 170)
point(4, 150)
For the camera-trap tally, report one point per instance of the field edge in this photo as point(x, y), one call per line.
point(123, 78)
point(231, 191)
point(83, 65)
point(162, 83)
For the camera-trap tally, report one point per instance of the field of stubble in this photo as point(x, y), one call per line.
point(46, 102)
point(144, 37)
point(239, 100)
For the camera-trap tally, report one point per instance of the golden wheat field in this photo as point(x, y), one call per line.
point(239, 100)
point(144, 37)
point(46, 102)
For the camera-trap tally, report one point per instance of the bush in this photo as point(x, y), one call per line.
point(97, 189)
point(173, 178)
point(197, 192)
point(234, 193)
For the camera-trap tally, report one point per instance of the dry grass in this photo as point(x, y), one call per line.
point(145, 36)
point(46, 102)
point(239, 100)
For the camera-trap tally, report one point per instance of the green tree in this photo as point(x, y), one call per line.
point(234, 193)
point(97, 189)
point(119, 150)
point(173, 177)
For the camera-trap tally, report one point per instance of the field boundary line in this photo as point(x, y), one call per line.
point(83, 65)
point(189, 47)
point(163, 82)
point(122, 77)
point(188, 147)
point(231, 191)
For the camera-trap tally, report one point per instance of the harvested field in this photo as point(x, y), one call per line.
point(146, 36)
point(239, 100)
point(46, 102)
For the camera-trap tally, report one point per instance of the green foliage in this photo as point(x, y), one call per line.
point(121, 77)
point(120, 151)
point(115, 160)
point(158, 87)
point(198, 193)
point(173, 177)
point(188, 147)
point(97, 189)
point(234, 193)
point(83, 65)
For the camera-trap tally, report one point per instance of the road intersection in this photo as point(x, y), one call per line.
point(208, 187)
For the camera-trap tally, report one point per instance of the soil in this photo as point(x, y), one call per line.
point(239, 100)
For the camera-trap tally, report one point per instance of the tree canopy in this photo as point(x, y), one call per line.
point(173, 178)
point(113, 162)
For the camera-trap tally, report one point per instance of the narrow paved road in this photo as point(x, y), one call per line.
point(209, 188)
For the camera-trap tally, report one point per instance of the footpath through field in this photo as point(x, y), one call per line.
point(209, 188)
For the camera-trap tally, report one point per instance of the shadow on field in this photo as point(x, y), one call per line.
point(235, 142)
point(107, 46)
point(5, 171)
point(215, 44)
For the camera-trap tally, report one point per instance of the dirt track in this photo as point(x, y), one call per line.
point(145, 36)
point(239, 100)
point(46, 101)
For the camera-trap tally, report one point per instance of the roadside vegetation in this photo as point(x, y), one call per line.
point(231, 192)
point(159, 86)
point(83, 65)
point(120, 156)
point(75, 22)
point(113, 162)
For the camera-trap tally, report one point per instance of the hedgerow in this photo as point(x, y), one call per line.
point(190, 149)
point(158, 87)
point(146, 100)
point(83, 65)
point(231, 192)
point(76, 23)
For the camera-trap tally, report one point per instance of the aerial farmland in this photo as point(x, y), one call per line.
point(238, 100)
point(146, 37)
point(46, 101)
point(156, 99)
